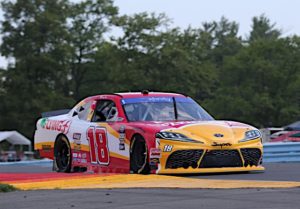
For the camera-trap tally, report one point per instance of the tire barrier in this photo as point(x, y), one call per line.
point(281, 152)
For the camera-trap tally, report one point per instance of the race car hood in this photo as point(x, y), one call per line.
point(215, 132)
point(208, 132)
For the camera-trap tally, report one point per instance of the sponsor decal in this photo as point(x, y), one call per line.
point(155, 153)
point(43, 122)
point(146, 99)
point(122, 138)
point(76, 160)
point(79, 155)
point(216, 144)
point(154, 161)
point(236, 124)
point(177, 124)
point(157, 142)
point(83, 161)
point(102, 97)
point(62, 126)
point(168, 148)
point(77, 137)
point(46, 147)
point(77, 141)
point(77, 147)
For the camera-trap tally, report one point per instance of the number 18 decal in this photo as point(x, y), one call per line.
point(98, 145)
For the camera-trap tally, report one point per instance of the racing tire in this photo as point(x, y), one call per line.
point(62, 155)
point(139, 156)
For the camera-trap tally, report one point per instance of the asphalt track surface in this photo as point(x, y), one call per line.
point(162, 198)
point(152, 198)
point(273, 172)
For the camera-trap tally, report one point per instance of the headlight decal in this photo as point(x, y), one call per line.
point(251, 135)
point(175, 137)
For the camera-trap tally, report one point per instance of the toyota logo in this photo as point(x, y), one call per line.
point(218, 135)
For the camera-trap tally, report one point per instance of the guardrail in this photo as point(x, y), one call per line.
point(281, 152)
point(43, 163)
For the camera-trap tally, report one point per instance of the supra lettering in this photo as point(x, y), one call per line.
point(215, 144)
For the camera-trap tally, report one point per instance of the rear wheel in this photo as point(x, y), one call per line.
point(62, 154)
point(139, 156)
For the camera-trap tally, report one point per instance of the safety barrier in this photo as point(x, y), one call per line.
point(281, 152)
point(44, 163)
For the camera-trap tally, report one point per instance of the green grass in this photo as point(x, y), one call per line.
point(7, 188)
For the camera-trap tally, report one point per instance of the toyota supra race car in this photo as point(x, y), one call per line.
point(146, 132)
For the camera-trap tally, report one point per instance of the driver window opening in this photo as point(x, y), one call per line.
point(106, 111)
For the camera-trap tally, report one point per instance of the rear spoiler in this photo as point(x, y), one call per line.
point(55, 113)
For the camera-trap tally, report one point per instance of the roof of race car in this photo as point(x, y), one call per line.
point(141, 94)
point(127, 95)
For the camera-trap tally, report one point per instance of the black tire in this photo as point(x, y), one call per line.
point(63, 155)
point(139, 156)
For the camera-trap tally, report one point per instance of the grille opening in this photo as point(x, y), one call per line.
point(251, 156)
point(184, 159)
point(221, 158)
point(213, 158)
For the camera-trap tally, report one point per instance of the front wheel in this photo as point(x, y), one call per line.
point(139, 156)
point(62, 154)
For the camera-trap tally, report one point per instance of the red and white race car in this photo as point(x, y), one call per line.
point(146, 133)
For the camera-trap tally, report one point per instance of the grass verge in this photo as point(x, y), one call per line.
point(7, 188)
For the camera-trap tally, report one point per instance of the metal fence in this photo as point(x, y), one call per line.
point(281, 152)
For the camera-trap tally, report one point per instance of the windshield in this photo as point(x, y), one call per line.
point(164, 109)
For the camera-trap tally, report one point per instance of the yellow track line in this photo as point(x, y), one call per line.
point(150, 181)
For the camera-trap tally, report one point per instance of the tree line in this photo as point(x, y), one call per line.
point(63, 51)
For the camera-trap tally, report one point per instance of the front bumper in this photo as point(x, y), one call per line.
point(210, 170)
point(200, 158)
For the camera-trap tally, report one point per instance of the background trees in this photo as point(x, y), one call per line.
point(34, 34)
point(64, 51)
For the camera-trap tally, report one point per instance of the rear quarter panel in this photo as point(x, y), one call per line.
point(47, 130)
